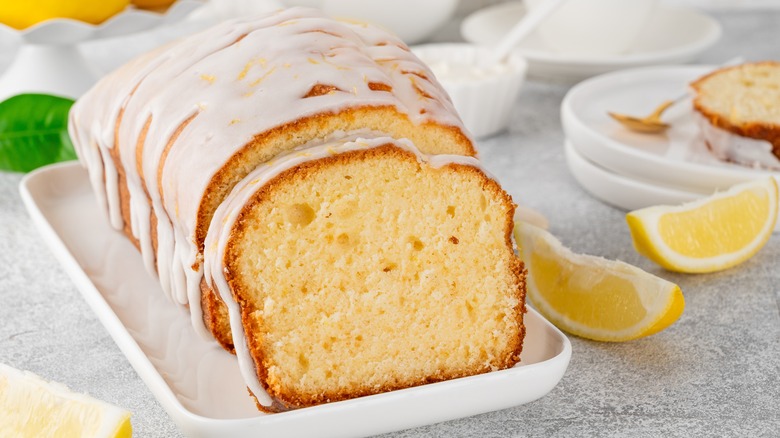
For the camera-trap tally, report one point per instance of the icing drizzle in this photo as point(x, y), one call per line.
point(728, 146)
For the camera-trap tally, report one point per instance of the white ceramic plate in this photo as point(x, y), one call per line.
point(619, 191)
point(677, 158)
point(199, 384)
point(672, 35)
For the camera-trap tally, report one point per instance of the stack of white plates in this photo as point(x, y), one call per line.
point(631, 170)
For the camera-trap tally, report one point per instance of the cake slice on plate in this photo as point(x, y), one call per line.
point(738, 112)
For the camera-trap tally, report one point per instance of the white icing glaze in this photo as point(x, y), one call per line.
point(735, 148)
point(224, 220)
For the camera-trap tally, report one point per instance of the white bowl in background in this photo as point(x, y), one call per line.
point(594, 27)
point(483, 94)
point(412, 20)
point(672, 35)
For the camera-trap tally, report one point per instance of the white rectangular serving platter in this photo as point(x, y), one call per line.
point(199, 384)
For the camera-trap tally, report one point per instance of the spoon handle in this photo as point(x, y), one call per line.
point(520, 30)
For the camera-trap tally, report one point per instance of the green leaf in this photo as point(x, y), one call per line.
point(34, 131)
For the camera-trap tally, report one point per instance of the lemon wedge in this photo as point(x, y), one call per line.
point(32, 407)
point(710, 234)
point(593, 297)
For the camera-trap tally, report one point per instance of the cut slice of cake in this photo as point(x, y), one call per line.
point(358, 267)
point(738, 112)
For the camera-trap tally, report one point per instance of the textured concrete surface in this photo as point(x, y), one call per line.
point(716, 372)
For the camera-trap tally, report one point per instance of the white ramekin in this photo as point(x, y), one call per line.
point(483, 95)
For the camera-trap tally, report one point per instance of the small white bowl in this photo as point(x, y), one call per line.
point(483, 94)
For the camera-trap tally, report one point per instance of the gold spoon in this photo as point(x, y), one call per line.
point(650, 124)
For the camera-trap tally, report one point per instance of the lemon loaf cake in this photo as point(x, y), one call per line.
point(305, 187)
point(738, 113)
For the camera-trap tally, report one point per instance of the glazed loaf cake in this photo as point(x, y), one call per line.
point(305, 187)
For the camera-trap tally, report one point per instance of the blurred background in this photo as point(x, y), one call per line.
point(106, 54)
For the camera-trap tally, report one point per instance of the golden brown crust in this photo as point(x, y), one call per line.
point(215, 316)
point(254, 328)
point(124, 197)
point(755, 130)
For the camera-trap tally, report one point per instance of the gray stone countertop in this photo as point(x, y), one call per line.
point(716, 372)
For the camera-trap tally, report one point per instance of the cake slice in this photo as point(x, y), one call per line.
point(358, 267)
point(738, 112)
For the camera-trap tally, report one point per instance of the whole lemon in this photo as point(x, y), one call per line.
point(23, 14)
